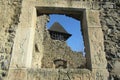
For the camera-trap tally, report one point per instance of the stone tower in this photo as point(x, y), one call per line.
point(57, 32)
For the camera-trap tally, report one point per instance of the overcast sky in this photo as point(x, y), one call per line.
point(72, 26)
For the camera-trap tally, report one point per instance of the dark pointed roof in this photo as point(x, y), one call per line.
point(58, 28)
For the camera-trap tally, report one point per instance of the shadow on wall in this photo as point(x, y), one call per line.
point(59, 63)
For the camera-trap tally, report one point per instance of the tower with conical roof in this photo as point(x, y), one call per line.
point(57, 32)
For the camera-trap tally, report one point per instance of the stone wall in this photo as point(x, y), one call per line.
point(9, 18)
point(50, 74)
point(53, 50)
point(110, 21)
point(38, 50)
point(62, 74)
point(58, 50)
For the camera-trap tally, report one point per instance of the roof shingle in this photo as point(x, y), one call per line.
point(58, 28)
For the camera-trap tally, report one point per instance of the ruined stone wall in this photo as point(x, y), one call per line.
point(9, 18)
point(110, 21)
point(58, 50)
point(53, 50)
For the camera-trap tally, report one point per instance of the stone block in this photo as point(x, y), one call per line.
point(116, 67)
point(108, 5)
point(61, 74)
point(17, 74)
point(75, 74)
point(93, 18)
point(96, 5)
point(2, 50)
point(100, 74)
point(97, 48)
point(42, 74)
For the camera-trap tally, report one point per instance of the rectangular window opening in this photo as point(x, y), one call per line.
point(58, 45)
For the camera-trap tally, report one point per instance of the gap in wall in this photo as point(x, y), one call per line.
point(77, 14)
point(72, 26)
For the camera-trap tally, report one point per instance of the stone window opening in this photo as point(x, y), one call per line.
point(59, 63)
point(73, 63)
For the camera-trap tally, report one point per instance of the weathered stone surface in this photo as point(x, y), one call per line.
point(110, 20)
point(97, 49)
point(51, 50)
point(48, 55)
point(38, 42)
point(17, 74)
point(116, 67)
point(26, 27)
point(9, 18)
point(49, 74)
point(93, 18)
point(108, 5)
point(42, 74)
point(100, 74)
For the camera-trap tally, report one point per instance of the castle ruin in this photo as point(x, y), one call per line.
point(28, 53)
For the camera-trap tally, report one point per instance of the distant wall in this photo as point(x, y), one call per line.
point(52, 50)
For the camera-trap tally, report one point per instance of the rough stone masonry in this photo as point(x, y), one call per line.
point(18, 38)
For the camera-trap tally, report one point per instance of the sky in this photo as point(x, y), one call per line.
point(73, 27)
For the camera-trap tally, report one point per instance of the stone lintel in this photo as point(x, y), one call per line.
point(62, 3)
